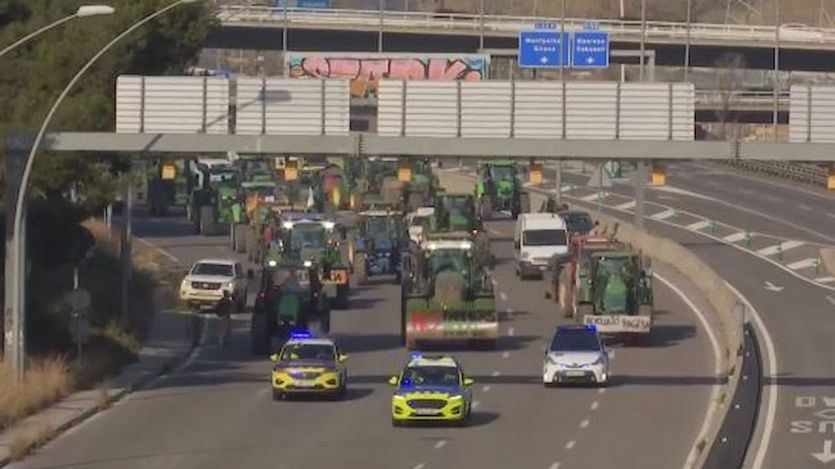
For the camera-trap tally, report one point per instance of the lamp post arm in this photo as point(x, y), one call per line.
point(42, 30)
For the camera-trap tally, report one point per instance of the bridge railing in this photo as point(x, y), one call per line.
point(624, 29)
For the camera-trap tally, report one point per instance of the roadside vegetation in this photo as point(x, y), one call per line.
point(67, 190)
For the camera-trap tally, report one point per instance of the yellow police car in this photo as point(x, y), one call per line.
point(431, 389)
point(309, 365)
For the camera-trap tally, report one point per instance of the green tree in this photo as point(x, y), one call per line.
point(34, 75)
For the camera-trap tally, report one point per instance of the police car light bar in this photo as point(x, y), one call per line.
point(415, 356)
point(301, 335)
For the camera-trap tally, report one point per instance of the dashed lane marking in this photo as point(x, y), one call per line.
point(496, 373)
point(699, 225)
point(585, 423)
point(440, 444)
point(570, 444)
point(503, 296)
point(505, 354)
point(804, 264)
point(785, 246)
point(601, 390)
point(735, 237)
point(420, 466)
point(556, 465)
point(485, 388)
point(510, 330)
point(663, 215)
point(594, 405)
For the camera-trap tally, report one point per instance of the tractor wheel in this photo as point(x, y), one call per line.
point(485, 208)
point(524, 203)
point(341, 300)
point(260, 334)
point(207, 221)
point(240, 237)
point(360, 270)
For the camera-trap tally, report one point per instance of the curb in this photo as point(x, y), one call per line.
point(138, 384)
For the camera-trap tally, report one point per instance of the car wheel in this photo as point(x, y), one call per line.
point(396, 423)
point(277, 395)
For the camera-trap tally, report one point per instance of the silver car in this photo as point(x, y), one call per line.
point(576, 355)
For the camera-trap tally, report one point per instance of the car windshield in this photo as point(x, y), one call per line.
point(578, 222)
point(308, 352)
point(205, 268)
point(430, 376)
point(310, 236)
point(575, 341)
point(448, 259)
point(501, 173)
point(543, 237)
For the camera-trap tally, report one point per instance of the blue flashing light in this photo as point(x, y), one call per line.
point(406, 383)
point(591, 327)
point(415, 356)
point(300, 334)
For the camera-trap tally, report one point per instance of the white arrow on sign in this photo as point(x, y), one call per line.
point(590, 60)
point(544, 60)
point(771, 287)
point(826, 456)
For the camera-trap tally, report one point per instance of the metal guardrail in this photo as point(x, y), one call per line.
point(736, 99)
point(657, 31)
point(806, 173)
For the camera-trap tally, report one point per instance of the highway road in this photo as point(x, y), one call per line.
point(794, 315)
point(216, 410)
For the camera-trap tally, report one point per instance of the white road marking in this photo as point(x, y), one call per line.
point(505, 354)
point(699, 225)
point(419, 466)
point(496, 373)
point(162, 251)
point(601, 390)
point(804, 264)
point(717, 366)
point(594, 405)
point(785, 246)
point(476, 404)
point(556, 465)
point(771, 287)
point(196, 351)
point(585, 423)
point(625, 205)
point(770, 387)
point(503, 296)
point(510, 330)
point(830, 299)
point(567, 188)
point(735, 237)
point(570, 444)
point(509, 310)
point(825, 279)
point(493, 231)
point(804, 207)
point(440, 444)
point(485, 388)
point(589, 198)
point(663, 215)
point(494, 281)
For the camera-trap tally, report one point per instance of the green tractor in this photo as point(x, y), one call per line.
point(290, 298)
point(310, 239)
point(456, 213)
point(447, 295)
point(409, 184)
point(614, 293)
point(499, 187)
point(167, 184)
point(214, 190)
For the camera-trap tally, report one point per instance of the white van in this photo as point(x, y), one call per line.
point(537, 238)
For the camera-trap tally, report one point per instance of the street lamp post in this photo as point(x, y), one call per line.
point(14, 302)
point(83, 11)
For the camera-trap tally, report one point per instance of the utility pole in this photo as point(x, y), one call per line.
point(14, 317)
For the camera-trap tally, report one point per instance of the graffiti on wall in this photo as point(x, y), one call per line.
point(365, 72)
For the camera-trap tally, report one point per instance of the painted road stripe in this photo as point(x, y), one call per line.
point(825, 279)
point(625, 205)
point(589, 198)
point(663, 215)
point(556, 465)
point(804, 264)
point(734, 237)
point(585, 423)
point(496, 373)
point(440, 444)
point(476, 404)
point(510, 330)
point(771, 250)
point(699, 225)
point(485, 388)
point(420, 466)
point(570, 444)
point(594, 405)
point(503, 296)
point(505, 354)
point(566, 188)
point(804, 207)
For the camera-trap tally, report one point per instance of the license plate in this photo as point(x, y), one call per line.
point(575, 373)
point(305, 384)
point(427, 411)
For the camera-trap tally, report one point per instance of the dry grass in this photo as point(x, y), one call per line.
point(46, 381)
point(23, 443)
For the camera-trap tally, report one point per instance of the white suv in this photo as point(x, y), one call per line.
point(209, 278)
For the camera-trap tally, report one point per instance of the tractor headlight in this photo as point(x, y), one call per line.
point(308, 263)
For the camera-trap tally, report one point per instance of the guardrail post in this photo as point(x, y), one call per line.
point(323, 100)
point(205, 106)
point(808, 113)
point(512, 108)
point(263, 105)
point(142, 105)
point(780, 251)
point(617, 111)
point(714, 227)
point(670, 111)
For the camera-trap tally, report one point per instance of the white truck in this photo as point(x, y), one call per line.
point(537, 238)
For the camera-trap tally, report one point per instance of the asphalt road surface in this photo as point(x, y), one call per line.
point(796, 322)
point(216, 410)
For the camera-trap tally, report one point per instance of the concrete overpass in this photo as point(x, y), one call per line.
point(252, 27)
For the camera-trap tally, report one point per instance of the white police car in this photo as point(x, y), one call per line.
point(576, 355)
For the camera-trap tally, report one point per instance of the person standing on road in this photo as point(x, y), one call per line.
point(224, 311)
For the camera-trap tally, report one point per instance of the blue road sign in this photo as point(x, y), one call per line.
point(590, 49)
point(543, 49)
